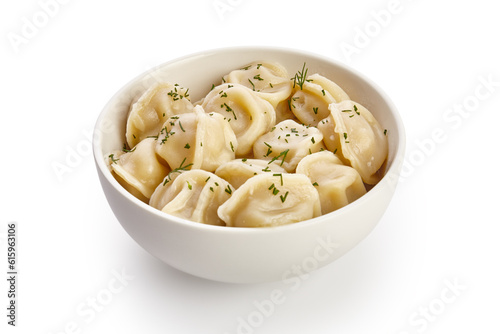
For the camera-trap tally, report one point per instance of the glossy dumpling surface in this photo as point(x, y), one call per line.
point(309, 102)
point(248, 115)
point(288, 142)
point(337, 184)
point(238, 171)
point(269, 80)
point(194, 195)
point(153, 108)
point(363, 142)
point(139, 171)
point(197, 139)
point(267, 200)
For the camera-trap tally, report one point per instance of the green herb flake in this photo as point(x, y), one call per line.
point(281, 177)
point(283, 198)
point(112, 157)
point(124, 149)
point(282, 154)
point(300, 77)
point(253, 86)
point(257, 77)
point(179, 169)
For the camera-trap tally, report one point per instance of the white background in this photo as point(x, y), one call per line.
point(441, 229)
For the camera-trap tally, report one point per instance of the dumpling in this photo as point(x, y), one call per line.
point(288, 142)
point(269, 80)
point(248, 115)
point(153, 108)
point(239, 171)
point(309, 103)
point(139, 170)
point(329, 86)
point(267, 200)
point(362, 143)
point(204, 141)
point(194, 195)
point(337, 184)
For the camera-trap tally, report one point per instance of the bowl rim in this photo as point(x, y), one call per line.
point(393, 169)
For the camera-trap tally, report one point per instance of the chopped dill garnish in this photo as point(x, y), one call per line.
point(300, 77)
point(179, 169)
point(112, 157)
point(281, 177)
point(253, 86)
point(257, 77)
point(124, 149)
point(283, 198)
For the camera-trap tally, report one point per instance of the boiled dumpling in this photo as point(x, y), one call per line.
point(288, 142)
point(248, 115)
point(267, 200)
point(204, 141)
point(239, 171)
point(139, 170)
point(153, 108)
point(194, 195)
point(309, 103)
point(337, 184)
point(361, 141)
point(329, 86)
point(269, 80)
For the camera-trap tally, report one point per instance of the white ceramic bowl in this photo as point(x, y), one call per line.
point(247, 255)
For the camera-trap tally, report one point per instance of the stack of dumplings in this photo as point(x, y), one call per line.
point(261, 149)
